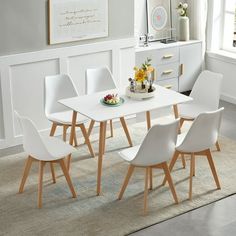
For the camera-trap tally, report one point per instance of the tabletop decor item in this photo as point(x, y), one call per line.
point(183, 22)
point(142, 85)
point(112, 100)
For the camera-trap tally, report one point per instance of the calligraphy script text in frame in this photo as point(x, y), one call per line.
point(75, 20)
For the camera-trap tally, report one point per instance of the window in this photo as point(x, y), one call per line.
point(229, 25)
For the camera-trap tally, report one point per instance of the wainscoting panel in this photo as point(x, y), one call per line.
point(79, 64)
point(22, 79)
point(126, 65)
point(27, 89)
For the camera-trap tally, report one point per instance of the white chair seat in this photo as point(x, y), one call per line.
point(64, 117)
point(129, 154)
point(191, 110)
point(57, 149)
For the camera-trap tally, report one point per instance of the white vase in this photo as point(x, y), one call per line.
point(183, 28)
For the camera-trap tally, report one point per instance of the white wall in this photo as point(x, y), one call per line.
point(24, 25)
point(26, 58)
point(22, 79)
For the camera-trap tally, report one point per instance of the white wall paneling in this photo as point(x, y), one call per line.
point(22, 79)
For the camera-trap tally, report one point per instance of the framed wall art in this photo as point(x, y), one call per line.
point(159, 19)
point(72, 20)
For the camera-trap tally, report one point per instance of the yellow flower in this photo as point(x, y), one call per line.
point(143, 72)
point(140, 75)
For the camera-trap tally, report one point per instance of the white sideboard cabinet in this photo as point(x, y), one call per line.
point(177, 65)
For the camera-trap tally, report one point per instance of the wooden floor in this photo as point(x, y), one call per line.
point(216, 219)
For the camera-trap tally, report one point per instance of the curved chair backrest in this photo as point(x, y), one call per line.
point(158, 145)
point(206, 89)
point(57, 87)
point(32, 141)
point(99, 79)
point(203, 133)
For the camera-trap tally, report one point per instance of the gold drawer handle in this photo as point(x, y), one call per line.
point(181, 69)
point(168, 56)
point(169, 86)
point(167, 72)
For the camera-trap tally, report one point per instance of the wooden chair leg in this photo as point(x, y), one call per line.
point(53, 173)
point(145, 191)
point(111, 128)
point(169, 179)
point(64, 132)
point(67, 176)
point(191, 176)
point(213, 169)
point(183, 161)
point(25, 173)
point(194, 161)
point(53, 129)
point(87, 141)
point(75, 140)
point(92, 122)
point(40, 184)
point(68, 160)
point(122, 120)
point(150, 179)
point(126, 181)
point(172, 163)
point(218, 146)
point(148, 118)
point(181, 122)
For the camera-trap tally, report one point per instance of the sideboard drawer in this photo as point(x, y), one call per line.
point(167, 71)
point(159, 57)
point(168, 55)
point(169, 83)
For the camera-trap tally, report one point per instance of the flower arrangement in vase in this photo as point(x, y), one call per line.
point(183, 22)
point(143, 78)
point(182, 9)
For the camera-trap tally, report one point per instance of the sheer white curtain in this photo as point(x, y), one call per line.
point(198, 21)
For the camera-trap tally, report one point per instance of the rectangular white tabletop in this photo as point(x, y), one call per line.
point(90, 105)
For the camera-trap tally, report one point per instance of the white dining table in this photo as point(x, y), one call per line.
point(91, 107)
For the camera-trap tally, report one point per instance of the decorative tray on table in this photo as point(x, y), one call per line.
point(139, 94)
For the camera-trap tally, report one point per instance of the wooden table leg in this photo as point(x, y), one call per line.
point(148, 118)
point(176, 113)
point(72, 136)
point(100, 156)
point(105, 131)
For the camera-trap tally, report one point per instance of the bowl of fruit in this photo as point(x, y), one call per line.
point(112, 100)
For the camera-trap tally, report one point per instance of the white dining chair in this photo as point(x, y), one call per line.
point(198, 140)
point(156, 149)
point(101, 79)
point(60, 87)
point(206, 96)
point(43, 150)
